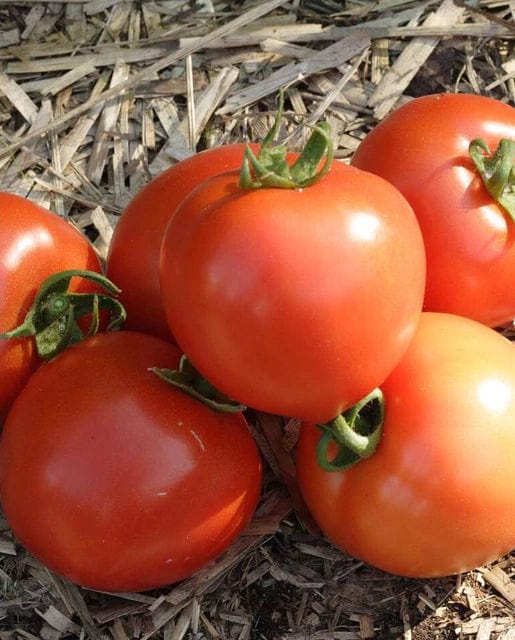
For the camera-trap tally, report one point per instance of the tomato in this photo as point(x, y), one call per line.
point(133, 260)
point(422, 149)
point(438, 495)
point(294, 301)
point(118, 481)
point(34, 244)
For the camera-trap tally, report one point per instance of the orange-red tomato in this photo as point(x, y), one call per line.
point(34, 244)
point(116, 480)
point(133, 260)
point(422, 149)
point(294, 301)
point(438, 495)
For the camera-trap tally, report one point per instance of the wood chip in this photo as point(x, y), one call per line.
point(366, 625)
point(177, 147)
point(7, 546)
point(106, 126)
point(59, 621)
point(18, 98)
point(285, 576)
point(32, 19)
point(329, 57)
point(413, 56)
point(69, 78)
point(501, 582)
point(9, 38)
point(473, 627)
point(485, 629)
point(10, 178)
point(71, 142)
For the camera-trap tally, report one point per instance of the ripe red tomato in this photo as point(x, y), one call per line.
point(34, 244)
point(438, 495)
point(294, 301)
point(119, 481)
point(422, 149)
point(133, 260)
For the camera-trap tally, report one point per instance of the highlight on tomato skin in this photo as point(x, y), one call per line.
point(118, 481)
point(438, 495)
point(34, 244)
point(422, 148)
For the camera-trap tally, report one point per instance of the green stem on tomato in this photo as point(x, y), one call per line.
point(497, 170)
point(189, 380)
point(53, 318)
point(356, 433)
point(269, 169)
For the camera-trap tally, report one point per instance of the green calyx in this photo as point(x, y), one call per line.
point(270, 168)
point(53, 318)
point(189, 380)
point(356, 433)
point(497, 170)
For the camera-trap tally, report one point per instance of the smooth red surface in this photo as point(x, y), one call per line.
point(34, 243)
point(133, 261)
point(422, 149)
point(116, 480)
point(438, 495)
point(296, 302)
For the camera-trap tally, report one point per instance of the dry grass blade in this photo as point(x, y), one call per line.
point(400, 74)
point(249, 16)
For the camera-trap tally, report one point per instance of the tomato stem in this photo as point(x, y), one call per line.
point(53, 317)
point(497, 170)
point(189, 380)
point(356, 433)
point(270, 169)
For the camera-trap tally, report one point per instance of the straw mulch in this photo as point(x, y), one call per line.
point(96, 98)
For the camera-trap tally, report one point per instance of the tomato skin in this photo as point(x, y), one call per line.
point(120, 482)
point(133, 260)
point(279, 297)
point(438, 495)
point(34, 244)
point(422, 149)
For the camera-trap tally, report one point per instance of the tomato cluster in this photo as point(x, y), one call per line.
point(113, 478)
point(357, 298)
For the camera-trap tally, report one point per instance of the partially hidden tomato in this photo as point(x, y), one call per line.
point(438, 495)
point(133, 260)
point(294, 301)
point(34, 244)
point(422, 149)
point(116, 480)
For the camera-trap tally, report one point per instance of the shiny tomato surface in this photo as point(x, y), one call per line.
point(34, 244)
point(438, 495)
point(133, 260)
point(116, 480)
point(422, 149)
point(294, 301)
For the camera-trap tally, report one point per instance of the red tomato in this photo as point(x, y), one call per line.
point(438, 495)
point(133, 261)
point(294, 301)
point(34, 244)
point(422, 149)
point(119, 481)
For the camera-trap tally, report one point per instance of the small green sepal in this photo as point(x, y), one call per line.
point(270, 170)
point(356, 433)
point(53, 318)
point(189, 380)
point(497, 170)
